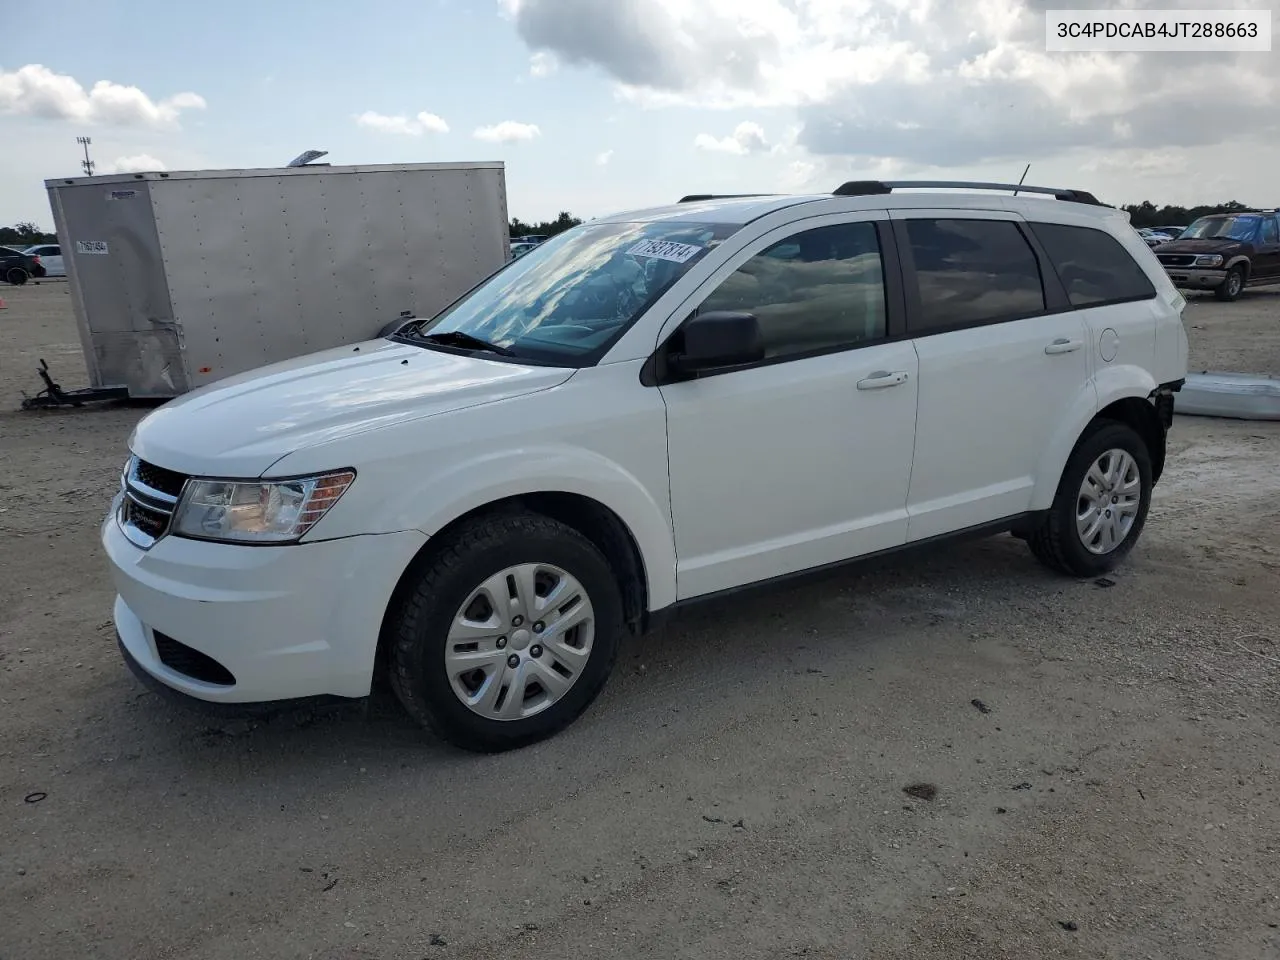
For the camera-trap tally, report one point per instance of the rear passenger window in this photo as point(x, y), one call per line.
point(973, 272)
point(1092, 265)
point(822, 289)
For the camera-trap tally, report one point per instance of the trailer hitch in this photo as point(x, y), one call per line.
point(54, 396)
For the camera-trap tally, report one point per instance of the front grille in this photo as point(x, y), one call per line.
point(150, 497)
point(158, 478)
point(150, 521)
point(1177, 259)
point(182, 659)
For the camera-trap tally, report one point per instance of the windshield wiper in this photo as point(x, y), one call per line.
point(457, 338)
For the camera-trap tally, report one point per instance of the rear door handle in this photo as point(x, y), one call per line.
point(883, 378)
point(1063, 345)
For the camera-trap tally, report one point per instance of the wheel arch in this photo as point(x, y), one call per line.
point(595, 520)
point(1240, 260)
point(1116, 393)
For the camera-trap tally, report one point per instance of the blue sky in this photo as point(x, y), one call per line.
point(635, 101)
point(278, 79)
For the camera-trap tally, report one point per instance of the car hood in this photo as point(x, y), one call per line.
point(1216, 245)
point(241, 425)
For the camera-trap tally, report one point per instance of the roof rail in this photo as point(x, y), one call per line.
point(698, 197)
point(866, 188)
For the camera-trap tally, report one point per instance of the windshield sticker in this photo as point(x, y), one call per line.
point(666, 250)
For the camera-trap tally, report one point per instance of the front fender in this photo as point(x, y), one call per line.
point(1109, 385)
point(445, 496)
point(1239, 260)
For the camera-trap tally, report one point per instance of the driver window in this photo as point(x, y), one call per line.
point(816, 290)
point(1270, 233)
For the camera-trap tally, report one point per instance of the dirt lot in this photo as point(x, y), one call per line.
point(738, 790)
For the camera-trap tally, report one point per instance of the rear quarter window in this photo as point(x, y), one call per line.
point(1093, 265)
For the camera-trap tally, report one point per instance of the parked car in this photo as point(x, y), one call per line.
point(1173, 232)
point(50, 255)
point(531, 238)
point(1152, 237)
point(520, 248)
point(1225, 253)
point(17, 267)
point(651, 409)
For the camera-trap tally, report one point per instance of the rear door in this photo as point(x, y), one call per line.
point(1001, 359)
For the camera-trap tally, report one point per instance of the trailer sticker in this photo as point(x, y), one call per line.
point(122, 194)
point(91, 246)
point(666, 250)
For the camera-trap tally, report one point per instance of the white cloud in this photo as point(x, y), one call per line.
point(603, 158)
point(747, 137)
point(137, 163)
point(414, 126)
point(507, 131)
point(543, 64)
point(923, 81)
point(35, 90)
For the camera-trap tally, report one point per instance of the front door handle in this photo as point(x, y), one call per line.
point(1063, 345)
point(883, 378)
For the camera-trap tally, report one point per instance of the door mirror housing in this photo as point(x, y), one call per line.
point(718, 339)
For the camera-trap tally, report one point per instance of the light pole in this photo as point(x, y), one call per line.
point(86, 162)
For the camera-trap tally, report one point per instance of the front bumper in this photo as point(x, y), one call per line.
point(283, 623)
point(1197, 278)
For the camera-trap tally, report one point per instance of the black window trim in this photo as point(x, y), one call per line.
point(1114, 301)
point(656, 373)
point(1056, 300)
point(1055, 295)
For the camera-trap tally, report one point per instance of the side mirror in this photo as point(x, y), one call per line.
point(721, 338)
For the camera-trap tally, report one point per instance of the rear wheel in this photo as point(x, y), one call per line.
point(1231, 288)
point(508, 634)
point(16, 276)
point(1101, 504)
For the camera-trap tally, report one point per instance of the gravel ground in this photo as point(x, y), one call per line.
point(1102, 758)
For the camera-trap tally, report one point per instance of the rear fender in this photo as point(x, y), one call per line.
point(1111, 384)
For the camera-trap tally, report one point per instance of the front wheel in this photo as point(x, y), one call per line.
point(507, 634)
point(1101, 505)
point(1231, 288)
point(16, 276)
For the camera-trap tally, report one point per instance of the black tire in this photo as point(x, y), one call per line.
point(1231, 288)
point(427, 604)
point(1055, 541)
point(16, 276)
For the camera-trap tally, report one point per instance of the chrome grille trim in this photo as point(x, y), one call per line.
point(143, 505)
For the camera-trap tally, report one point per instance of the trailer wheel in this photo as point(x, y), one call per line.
point(16, 276)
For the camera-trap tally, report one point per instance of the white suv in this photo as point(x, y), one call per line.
point(649, 409)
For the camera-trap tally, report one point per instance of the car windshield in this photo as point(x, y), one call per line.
point(569, 298)
point(1222, 228)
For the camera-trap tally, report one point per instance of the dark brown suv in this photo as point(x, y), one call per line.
point(1225, 252)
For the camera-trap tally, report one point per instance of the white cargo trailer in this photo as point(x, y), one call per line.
point(181, 278)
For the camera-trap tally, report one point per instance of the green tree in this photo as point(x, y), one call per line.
point(1147, 214)
point(24, 234)
point(547, 228)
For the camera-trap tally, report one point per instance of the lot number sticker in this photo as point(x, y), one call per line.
point(665, 250)
point(91, 246)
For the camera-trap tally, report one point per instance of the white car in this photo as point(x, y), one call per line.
point(50, 255)
point(650, 409)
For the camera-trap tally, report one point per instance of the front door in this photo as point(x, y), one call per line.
point(1266, 258)
point(805, 458)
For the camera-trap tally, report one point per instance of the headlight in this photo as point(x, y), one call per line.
point(257, 511)
point(1209, 260)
